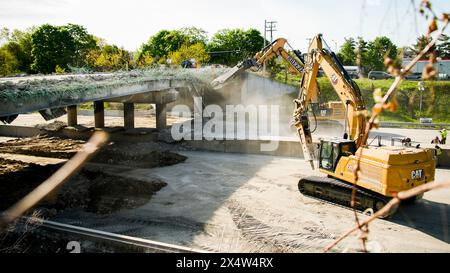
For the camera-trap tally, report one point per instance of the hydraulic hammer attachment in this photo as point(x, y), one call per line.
point(220, 81)
point(301, 122)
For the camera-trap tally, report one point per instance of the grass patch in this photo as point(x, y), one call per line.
point(435, 98)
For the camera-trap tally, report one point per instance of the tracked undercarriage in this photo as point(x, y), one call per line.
point(339, 192)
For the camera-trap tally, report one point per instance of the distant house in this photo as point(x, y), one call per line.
point(353, 71)
point(442, 66)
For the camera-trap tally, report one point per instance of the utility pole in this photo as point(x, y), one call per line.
point(265, 31)
point(269, 26)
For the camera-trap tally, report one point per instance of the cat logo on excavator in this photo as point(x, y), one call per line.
point(417, 174)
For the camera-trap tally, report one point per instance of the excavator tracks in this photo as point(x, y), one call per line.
point(338, 192)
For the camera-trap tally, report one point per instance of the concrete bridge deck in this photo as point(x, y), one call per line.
point(22, 95)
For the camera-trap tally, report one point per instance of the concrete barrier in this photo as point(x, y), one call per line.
point(285, 148)
point(116, 134)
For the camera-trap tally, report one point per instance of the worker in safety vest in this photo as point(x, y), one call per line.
point(444, 134)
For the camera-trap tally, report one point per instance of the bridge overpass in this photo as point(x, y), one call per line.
point(20, 95)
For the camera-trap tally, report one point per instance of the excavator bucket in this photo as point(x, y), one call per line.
point(8, 119)
point(49, 114)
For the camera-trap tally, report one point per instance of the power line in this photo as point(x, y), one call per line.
point(413, 4)
point(361, 17)
point(383, 20)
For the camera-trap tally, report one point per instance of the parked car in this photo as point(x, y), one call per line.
point(353, 71)
point(426, 120)
point(414, 76)
point(188, 64)
point(379, 75)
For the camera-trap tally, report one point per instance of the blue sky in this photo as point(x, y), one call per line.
point(129, 23)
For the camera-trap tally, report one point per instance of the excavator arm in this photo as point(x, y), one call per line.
point(348, 91)
point(318, 54)
point(275, 49)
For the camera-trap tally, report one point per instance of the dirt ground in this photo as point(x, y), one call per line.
point(216, 201)
point(42, 146)
point(93, 191)
point(250, 203)
point(24, 165)
point(122, 154)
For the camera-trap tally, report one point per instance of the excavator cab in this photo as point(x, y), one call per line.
point(332, 150)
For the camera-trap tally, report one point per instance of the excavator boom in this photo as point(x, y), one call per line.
point(308, 69)
point(277, 48)
point(381, 171)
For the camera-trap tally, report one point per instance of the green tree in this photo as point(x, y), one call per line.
point(230, 46)
point(194, 35)
point(362, 58)
point(108, 57)
point(19, 44)
point(347, 53)
point(187, 52)
point(143, 60)
point(162, 43)
point(52, 46)
point(253, 42)
point(4, 35)
point(83, 43)
point(377, 50)
point(443, 47)
point(63, 46)
point(8, 63)
point(421, 43)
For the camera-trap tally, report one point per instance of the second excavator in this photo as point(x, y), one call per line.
point(383, 171)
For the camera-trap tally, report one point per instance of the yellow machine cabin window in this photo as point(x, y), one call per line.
point(326, 156)
point(348, 149)
point(330, 153)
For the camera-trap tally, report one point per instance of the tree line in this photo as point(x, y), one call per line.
point(71, 48)
point(369, 55)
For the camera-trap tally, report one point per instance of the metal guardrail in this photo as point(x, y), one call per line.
point(114, 238)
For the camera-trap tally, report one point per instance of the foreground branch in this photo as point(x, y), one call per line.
point(63, 174)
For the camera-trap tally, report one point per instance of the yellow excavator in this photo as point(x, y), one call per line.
point(384, 170)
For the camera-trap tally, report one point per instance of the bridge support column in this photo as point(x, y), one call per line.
point(72, 115)
point(161, 116)
point(99, 114)
point(128, 115)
